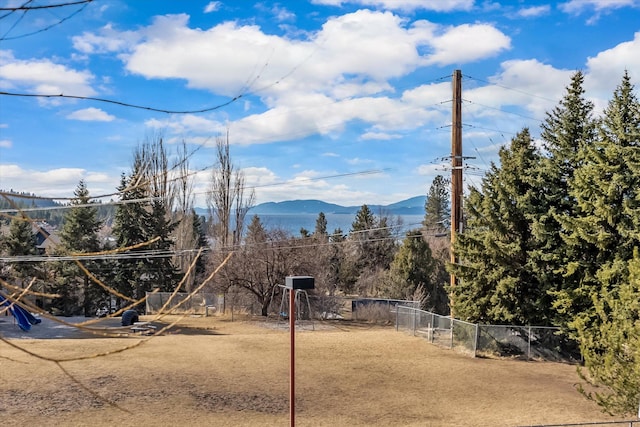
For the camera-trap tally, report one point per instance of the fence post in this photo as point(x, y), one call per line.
point(431, 329)
point(529, 344)
point(397, 311)
point(451, 323)
point(414, 322)
point(475, 341)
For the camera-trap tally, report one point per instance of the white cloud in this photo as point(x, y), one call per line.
point(533, 11)
point(354, 53)
point(519, 84)
point(406, 5)
point(212, 6)
point(43, 76)
point(91, 115)
point(577, 6)
point(604, 71)
point(59, 182)
point(467, 43)
point(380, 136)
point(5, 143)
point(108, 40)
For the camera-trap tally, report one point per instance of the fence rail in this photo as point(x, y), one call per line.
point(525, 342)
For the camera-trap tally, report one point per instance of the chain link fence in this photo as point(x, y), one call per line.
point(524, 342)
point(183, 303)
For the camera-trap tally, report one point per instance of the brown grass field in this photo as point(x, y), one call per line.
point(211, 371)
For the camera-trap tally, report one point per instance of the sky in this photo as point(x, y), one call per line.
point(345, 101)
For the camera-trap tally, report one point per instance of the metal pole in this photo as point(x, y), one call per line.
point(292, 364)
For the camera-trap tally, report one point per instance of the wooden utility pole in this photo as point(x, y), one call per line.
point(456, 169)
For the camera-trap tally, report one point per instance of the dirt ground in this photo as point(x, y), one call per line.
point(211, 371)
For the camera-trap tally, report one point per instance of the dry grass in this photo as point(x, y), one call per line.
point(217, 372)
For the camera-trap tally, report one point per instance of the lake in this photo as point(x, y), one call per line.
point(293, 222)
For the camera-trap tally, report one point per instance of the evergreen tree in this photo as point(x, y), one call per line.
point(372, 248)
point(603, 235)
point(566, 131)
point(603, 227)
point(321, 225)
point(437, 207)
point(130, 222)
point(79, 234)
point(21, 241)
point(610, 340)
point(495, 281)
point(411, 268)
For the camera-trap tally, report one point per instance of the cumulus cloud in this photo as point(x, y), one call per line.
point(6, 143)
point(91, 115)
point(467, 43)
point(604, 71)
point(43, 76)
point(59, 182)
point(312, 84)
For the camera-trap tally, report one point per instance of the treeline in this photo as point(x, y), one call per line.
point(552, 237)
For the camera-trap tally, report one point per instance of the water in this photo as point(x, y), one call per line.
point(294, 222)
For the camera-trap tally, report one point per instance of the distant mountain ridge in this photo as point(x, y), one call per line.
point(411, 206)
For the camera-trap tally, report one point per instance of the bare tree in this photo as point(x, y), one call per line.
point(226, 198)
point(184, 236)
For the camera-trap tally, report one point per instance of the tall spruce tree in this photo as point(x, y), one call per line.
point(603, 235)
point(495, 282)
point(568, 128)
point(79, 234)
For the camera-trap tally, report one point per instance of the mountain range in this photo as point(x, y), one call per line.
point(411, 206)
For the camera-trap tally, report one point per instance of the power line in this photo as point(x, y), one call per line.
point(4, 38)
point(48, 6)
point(125, 104)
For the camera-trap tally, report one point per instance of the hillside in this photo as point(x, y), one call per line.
point(412, 206)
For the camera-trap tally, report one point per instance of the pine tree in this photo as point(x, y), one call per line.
point(19, 242)
point(79, 234)
point(412, 267)
point(130, 222)
point(603, 227)
point(321, 225)
point(372, 249)
point(495, 282)
point(566, 131)
point(603, 235)
point(610, 340)
point(437, 207)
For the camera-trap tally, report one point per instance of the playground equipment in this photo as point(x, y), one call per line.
point(23, 317)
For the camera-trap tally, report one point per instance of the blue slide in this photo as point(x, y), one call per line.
point(23, 317)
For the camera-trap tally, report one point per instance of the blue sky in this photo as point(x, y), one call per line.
point(347, 101)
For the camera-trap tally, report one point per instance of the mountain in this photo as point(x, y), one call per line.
point(412, 206)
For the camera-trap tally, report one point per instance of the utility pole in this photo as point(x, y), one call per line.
point(456, 169)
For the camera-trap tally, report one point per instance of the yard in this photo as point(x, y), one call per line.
point(211, 371)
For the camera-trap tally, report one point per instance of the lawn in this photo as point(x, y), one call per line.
point(211, 371)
